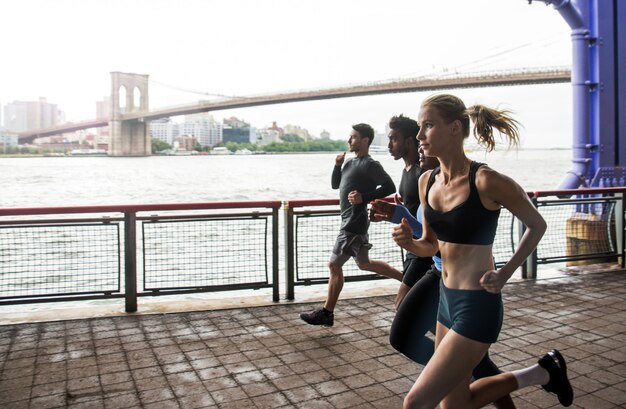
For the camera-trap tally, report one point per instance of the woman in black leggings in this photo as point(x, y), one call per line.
point(417, 312)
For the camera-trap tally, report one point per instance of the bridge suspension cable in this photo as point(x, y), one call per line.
point(192, 91)
point(488, 60)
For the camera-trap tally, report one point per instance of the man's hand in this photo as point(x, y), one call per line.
point(381, 211)
point(355, 198)
point(340, 158)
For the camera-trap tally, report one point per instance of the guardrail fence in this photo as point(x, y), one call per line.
point(50, 254)
point(157, 249)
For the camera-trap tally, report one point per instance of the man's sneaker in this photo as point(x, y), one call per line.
point(554, 363)
point(318, 317)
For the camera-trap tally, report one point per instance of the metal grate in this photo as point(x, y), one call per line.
point(207, 252)
point(507, 237)
point(47, 260)
point(315, 237)
point(577, 230)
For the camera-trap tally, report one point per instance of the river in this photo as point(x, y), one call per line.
point(84, 181)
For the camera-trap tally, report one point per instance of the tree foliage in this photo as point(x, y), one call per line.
point(292, 138)
point(158, 145)
point(316, 145)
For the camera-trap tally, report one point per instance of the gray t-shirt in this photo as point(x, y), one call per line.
point(366, 176)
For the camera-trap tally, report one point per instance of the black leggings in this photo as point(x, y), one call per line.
point(416, 316)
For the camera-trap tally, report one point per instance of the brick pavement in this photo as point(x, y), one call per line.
point(264, 357)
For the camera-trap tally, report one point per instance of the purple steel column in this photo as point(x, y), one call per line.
point(599, 90)
point(619, 17)
point(583, 143)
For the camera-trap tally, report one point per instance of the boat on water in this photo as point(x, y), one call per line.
point(378, 150)
point(220, 150)
point(243, 151)
point(88, 152)
point(178, 152)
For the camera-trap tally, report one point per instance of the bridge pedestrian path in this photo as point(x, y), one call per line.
point(265, 357)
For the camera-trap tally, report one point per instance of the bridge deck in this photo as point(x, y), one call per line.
point(264, 357)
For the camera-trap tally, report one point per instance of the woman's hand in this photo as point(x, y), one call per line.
point(492, 281)
point(403, 234)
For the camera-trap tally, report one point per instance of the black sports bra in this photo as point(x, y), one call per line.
point(468, 223)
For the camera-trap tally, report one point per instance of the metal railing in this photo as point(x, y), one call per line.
point(50, 254)
point(311, 228)
point(582, 225)
point(184, 248)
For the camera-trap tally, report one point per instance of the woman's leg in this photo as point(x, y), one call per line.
point(446, 378)
point(413, 269)
point(448, 372)
point(416, 316)
point(486, 367)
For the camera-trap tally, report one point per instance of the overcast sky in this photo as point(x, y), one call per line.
point(64, 50)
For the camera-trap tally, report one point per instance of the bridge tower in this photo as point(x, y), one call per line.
point(129, 94)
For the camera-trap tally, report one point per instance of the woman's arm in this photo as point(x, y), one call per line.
point(425, 246)
point(498, 190)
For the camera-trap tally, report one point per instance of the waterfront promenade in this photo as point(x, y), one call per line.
point(265, 357)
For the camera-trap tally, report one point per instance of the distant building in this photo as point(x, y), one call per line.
point(7, 139)
point(325, 134)
point(164, 129)
point(237, 135)
point(277, 129)
point(297, 130)
point(23, 116)
point(267, 136)
point(254, 135)
point(103, 110)
point(185, 142)
point(380, 139)
point(238, 131)
point(206, 130)
point(235, 122)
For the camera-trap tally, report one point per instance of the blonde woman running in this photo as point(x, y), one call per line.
point(462, 201)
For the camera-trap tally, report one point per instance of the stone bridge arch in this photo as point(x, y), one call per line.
point(129, 137)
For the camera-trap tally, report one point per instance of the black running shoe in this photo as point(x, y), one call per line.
point(318, 317)
point(554, 363)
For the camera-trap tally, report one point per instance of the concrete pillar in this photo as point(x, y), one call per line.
point(129, 137)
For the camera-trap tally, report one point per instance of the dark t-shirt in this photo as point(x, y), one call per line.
point(366, 176)
point(409, 190)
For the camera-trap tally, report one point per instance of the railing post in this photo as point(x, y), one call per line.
point(130, 266)
point(619, 226)
point(529, 268)
point(275, 274)
point(289, 251)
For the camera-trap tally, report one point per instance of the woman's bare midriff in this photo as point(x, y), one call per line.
point(465, 264)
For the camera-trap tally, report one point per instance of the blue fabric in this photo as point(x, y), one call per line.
point(437, 261)
point(402, 212)
point(415, 223)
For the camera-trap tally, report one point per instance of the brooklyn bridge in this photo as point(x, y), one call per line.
point(128, 120)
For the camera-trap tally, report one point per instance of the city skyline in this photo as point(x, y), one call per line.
point(246, 47)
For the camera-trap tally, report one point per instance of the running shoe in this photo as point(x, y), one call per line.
point(318, 317)
point(554, 363)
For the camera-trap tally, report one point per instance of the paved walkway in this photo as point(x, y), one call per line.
point(265, 357)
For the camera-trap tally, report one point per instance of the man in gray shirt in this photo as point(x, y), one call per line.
point(360, 180)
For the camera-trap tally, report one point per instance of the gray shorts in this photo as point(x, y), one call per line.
point(350, 245)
